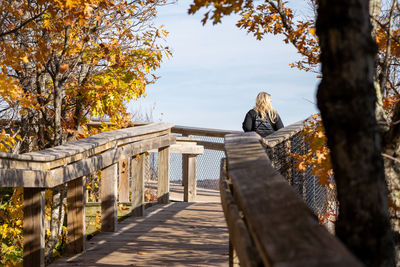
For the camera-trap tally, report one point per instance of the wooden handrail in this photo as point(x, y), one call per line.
point(73, 151)
point(187, 131)
point(268, 221)
point(69, 164)
point(283, 134)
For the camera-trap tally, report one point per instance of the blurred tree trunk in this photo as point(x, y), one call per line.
point(391, 153)
point(346, 98)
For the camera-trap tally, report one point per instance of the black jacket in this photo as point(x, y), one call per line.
point(251, 122)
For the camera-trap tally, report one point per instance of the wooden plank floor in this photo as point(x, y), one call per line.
point(176, 234)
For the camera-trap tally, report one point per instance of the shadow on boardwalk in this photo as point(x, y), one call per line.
point(176, 234)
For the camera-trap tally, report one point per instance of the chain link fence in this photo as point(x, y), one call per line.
point(279, 147)
point(208, 166)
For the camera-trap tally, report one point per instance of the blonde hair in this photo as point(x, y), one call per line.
point(264, 107)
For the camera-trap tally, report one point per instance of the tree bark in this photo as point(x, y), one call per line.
point(346, 98)
point(391, 152)
point(374, 12)
point(58, 98)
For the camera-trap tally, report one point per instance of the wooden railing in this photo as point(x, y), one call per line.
point(269, 224)
point(268, 221)
point(69, 164)
point(196, 131)
point(214, 148)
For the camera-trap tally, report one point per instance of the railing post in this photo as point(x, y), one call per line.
point(76, 216)
point(163, 175)
point(123, 170)
point(137, 167)
point(109, 198)
point(189, 177)
point(33, 233)
point(183, 160)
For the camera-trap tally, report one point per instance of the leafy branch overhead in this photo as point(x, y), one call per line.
point(267, 17)
point(63, 61)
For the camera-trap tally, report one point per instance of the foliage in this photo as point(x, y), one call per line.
point(150, 195)
point(93, 187)
point(317, 157)
point(70, 59)
point(268, 17)
point(317, 160)
point(11, 223)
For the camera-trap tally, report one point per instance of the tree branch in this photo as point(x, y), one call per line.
point(16, 29)
point(390, 157)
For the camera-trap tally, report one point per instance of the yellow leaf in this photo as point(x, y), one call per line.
point(25, 59)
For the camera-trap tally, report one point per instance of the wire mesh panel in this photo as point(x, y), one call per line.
point(175, 169)
point(322, 200)
point(208, 165)
point(150, 176)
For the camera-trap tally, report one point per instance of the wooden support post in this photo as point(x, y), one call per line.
point(109, 198)
point(189, 177)
point(34, 205)
point(137, 166)
point(123, 170)
point(163, 175)
point(183, 160)
point(76, 216)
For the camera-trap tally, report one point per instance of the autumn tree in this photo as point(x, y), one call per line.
point(67, 60)
point(77, 58)
point(347, 102)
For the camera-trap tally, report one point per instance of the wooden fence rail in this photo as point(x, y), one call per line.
point(207, 132)
point(269, 224)
point(69, 164)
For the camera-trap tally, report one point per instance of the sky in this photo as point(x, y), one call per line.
point(216, 72)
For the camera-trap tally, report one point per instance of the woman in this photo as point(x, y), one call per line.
point(262, 119)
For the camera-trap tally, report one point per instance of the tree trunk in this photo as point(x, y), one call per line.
point(58, 98)
point(346, 98)
point(57, 220)
point(391, 150)
point(374, 12)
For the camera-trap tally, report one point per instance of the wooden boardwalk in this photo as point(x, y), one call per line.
point(175, 234)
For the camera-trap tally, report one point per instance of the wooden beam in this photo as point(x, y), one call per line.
point(34, 232)
point(242, 245)
point(61, 175)
point(163, 175)
point(76, 226)
point(186, 149)
point(60, 155)
point(186, 131)
point(24, 178)
point(189, 166)
point(85, 167)
point(108, 194)
point(123, 181)
point(211, 145)
point(137, 166)
point(283, 134)
point(272, 210)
